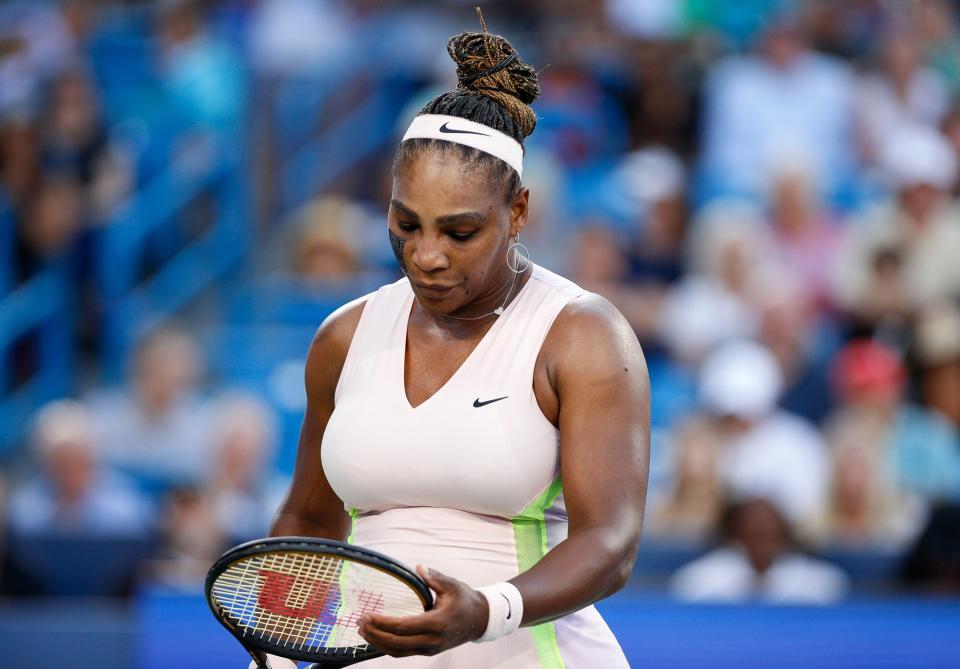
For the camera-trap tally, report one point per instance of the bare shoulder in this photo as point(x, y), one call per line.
point(330, 344)
point(590, 337)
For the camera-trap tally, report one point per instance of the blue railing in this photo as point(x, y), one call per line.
point(41, 308)
point(348, 142)
point(133, 306)
point(6, 245)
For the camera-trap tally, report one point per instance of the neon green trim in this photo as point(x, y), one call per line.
point(530, 537)
point(353, 524)
point(331, 641)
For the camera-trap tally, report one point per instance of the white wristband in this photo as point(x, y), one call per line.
point(506, 610)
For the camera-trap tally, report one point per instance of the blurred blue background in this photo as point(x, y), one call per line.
point(766, 189)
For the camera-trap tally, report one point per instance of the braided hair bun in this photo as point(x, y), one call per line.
point(489, 65)
point(494, 86)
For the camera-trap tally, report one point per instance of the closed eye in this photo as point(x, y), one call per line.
point(407, 227)
point(462, 236)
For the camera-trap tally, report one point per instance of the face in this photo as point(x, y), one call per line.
point(759, 530)
point(70, 466)
point(851, 479)
point(451, 227)
point(166, 369)
point(920, 201)
point(940, 386)
point(243, 445)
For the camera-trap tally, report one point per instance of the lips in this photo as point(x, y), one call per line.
point(434, 290)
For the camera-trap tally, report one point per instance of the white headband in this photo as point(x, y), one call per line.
point(469, 133)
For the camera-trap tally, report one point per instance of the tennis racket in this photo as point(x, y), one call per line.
point(301, 598)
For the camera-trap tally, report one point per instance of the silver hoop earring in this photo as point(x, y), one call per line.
point(519, 260)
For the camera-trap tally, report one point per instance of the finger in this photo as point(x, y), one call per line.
point(438, 582)
point(423, 623)
point(398, 645)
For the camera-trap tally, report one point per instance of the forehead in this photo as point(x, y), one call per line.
point(441, 180)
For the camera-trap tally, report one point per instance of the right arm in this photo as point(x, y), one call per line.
point(311, 507)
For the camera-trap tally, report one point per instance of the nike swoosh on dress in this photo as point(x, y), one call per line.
point(477, 403)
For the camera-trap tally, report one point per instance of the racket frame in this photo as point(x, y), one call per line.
point(316, 546)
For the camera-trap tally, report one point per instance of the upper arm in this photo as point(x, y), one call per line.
point(310, 499)
point(598, 371)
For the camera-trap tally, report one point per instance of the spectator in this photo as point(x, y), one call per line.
point(865, 509)
point(35, 44)
point(691, 510)
point(200, 71)
point(49, 229)
point(243, 488)
point(19, 160)
point(326, 247)
point(936, 24)
point(902, 255)
point(652, 20)
point(715, 301)
point(74, 493)
point(76, 145)
point(765, 451)
point(158, 429)
point(904, 92)
point(653, 185)
point(784, 101)
point(48, 236)
point(917, 447)
point(951, 130)
point(599, 264)
point(191, 537)
point(806, 240)
point(298, 37)
point(936, 351)
point(758, 560)
point(800, 339)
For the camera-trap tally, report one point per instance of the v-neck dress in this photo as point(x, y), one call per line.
point(467, 482)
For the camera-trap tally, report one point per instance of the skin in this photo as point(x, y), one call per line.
point(590, 381)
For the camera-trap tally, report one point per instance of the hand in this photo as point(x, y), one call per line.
point(459, 615)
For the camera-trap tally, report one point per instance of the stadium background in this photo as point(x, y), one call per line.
point(765, 188)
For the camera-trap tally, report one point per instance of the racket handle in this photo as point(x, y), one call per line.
point(263, 660)
point(259, 659)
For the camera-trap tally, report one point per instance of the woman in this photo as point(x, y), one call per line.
point(445, 410)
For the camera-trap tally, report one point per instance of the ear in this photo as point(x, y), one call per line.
point(519, 208)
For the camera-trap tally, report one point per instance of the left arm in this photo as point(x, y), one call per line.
point(601, 396)
point(600, 377)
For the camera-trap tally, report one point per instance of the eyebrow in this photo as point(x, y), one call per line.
point(449, 219)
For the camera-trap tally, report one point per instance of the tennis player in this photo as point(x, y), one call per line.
point(482, 418)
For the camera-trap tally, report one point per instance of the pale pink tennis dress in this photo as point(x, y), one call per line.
point(472, 491)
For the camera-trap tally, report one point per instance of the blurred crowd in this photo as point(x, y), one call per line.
point(767, 190)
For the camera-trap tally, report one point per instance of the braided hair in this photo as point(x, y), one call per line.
point(495, 88)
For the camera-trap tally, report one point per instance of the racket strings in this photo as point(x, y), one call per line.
point(309, 601)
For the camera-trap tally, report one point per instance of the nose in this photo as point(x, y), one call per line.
point(428, 254)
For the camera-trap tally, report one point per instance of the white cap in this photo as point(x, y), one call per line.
point(740, 378)
point(917, 154)
point(62, 422)
point(651, 174)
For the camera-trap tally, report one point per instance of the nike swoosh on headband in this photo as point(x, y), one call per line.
point(446, 130)
point(477, 403)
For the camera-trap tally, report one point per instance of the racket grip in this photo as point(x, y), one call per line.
point(263, 660)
